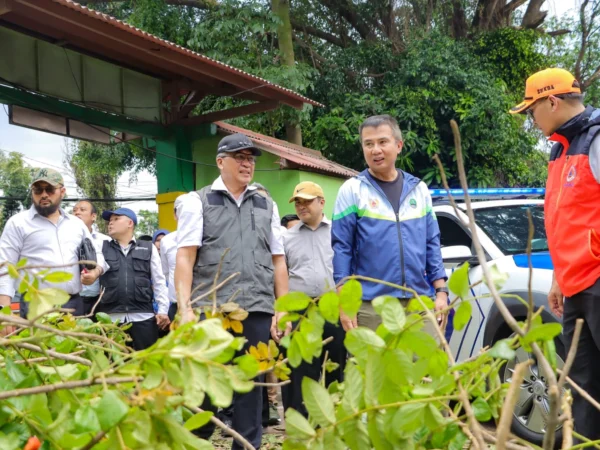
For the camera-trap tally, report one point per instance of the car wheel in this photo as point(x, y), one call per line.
point(531, 410)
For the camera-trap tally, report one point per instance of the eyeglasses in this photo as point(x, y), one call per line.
point(531, 110)
point(39, 190)
point(240, 158)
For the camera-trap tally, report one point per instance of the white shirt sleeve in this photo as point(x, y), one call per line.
point(595, 158)
point(159, 283)
point(164, 262)
point(11, 243)
point(276, 239)
point(190, 221)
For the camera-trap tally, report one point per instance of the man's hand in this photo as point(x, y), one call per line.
point(276, 333)
point(88, 277)
point(556, 299)
point(347, 322)
point(163, 321)
point(441, 303)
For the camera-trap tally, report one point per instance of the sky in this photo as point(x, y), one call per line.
point(46, 149)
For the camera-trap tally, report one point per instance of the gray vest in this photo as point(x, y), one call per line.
point(246, 232)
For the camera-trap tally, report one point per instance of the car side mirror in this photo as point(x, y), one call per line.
point(458, 254)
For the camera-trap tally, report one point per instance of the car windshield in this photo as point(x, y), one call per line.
point(508, 227)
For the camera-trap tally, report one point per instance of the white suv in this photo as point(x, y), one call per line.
point(502, 227)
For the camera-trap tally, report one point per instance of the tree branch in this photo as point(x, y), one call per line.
point(35, 348)
point(509, 405)
point(67, 385)
point(230, 431)
point(313, 31)
point(584, 39)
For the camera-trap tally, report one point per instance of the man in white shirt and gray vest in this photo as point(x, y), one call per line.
point(309, 258)
point(134, 269)
point(47, 236)
point(231, 214)
point(87, 212)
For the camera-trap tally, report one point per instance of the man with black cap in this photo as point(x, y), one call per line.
point(134, 268)
point(47, 236)
point(231, 215)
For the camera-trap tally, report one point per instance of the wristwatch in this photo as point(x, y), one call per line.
point(444, 290)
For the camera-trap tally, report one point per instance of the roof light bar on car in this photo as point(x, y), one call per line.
point(489, 193)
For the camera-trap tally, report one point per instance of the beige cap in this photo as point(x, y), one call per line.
point(308, 191)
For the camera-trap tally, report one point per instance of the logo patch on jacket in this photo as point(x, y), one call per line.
point(572, 174)
point(374, 203)
point(413, 203)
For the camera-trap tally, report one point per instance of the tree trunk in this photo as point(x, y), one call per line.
point(281, 8)
point(534, 17)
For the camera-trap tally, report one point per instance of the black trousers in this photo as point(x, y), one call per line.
point(247, 412)
point(292, 393)
point(75, 302)
point(88, 304)
point(143, 334)
point(586, 367)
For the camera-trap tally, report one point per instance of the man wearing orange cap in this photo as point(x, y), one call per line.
point(554, 101)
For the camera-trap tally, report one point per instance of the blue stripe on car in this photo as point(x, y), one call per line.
point(539, 260)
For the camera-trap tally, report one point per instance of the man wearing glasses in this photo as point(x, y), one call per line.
point(47, 236)
point(554, 101)
point(230, 221)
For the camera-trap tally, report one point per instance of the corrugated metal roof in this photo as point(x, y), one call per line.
point(261, 85)
point(302, 156)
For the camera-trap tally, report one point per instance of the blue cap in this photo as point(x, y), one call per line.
point(157, 233)
point(120, 212)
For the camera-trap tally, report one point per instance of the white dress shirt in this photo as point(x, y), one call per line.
point(94, 289)
point(190, 223)
point(168, 256)
point(158, 284)
point(32, 236)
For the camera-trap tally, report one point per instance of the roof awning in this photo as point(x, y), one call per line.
point(296, 154)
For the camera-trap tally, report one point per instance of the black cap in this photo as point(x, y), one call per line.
point(235, 143)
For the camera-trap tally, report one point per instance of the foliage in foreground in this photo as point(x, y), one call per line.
point(72, 382)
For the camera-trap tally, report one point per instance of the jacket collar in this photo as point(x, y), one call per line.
point(409, 182)
point(573, 127)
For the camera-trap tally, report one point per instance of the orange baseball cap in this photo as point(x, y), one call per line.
point(545, 83)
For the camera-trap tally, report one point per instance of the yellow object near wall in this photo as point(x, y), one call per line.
point(166, 216)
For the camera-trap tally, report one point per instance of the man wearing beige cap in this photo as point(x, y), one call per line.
point(553, 99)
point(47, 236)
point(309, 258)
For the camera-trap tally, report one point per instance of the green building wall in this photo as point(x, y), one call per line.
point(280, 183)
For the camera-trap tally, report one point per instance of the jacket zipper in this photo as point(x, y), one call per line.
point(562, 173)
point(403, 273)
point(253, 223)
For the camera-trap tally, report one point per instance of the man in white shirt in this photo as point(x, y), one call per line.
point(87, 212)
point(168, 256)
point(134, 268)
point(230, 221)
point(47, 236)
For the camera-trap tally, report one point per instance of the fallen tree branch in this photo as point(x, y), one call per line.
point(66, 385)
point(230, 431)
point(508, 407)
point(35, 348)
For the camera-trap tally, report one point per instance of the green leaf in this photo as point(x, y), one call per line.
point(294, 354)
point(391, 312)
point(296, 426)
point(433, 417)
point(13, 371)
point(249, 365)
point(289, 317)
point(330, 366)
point(103, 318)
point(218, 388)
point(502, 350)
point(12, 271)
point(375, 427)
point(438, 363)
point(154, 375)
point(294, 301)
point(318, 402)
point(353, 387)
point(329, 307)
point(481, 410)
point(550, 353)
point(198, 420)
point(359, 340)
point(10, 441)
point(543, 332)
point(409, 418)
point(86, 420)
point(458, 442)
point(462, 315)
point(110, 410)
point(415, 305)
point(351, 298)
point(44, 300)
point(498, 277)
point(398, 367)
point(459, 281)
point(22, 263)
point(374, 376)
point(58, 277)
point(419, 342)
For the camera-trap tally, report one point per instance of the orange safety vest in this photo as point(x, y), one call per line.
point(572, 205)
